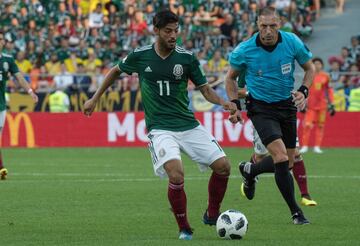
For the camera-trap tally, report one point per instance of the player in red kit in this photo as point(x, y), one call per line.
point(320, 100)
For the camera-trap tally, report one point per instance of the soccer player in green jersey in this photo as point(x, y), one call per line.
point(164, 70)
point(7, 65)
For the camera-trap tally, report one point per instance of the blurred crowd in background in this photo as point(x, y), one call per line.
point(70, 45)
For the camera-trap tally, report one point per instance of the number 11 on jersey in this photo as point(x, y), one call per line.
point(161, 87)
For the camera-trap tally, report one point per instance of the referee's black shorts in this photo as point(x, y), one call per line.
point(273, 120)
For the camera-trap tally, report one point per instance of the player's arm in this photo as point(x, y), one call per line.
point(309, 70)
point(197, 76)
point(231, 85)
point(329, 93)
point(210, 95)
point(24, 84)
point(303, 92)
point(233, 94)
point(303, 57)
point(109, 79)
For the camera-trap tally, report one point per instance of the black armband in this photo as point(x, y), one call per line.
point(237, 102)
point(304, 90)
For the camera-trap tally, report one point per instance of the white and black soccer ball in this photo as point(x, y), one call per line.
point(232, 224)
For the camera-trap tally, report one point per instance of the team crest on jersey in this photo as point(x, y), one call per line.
point(178, 71)
point(6, 66)
point(259, 73)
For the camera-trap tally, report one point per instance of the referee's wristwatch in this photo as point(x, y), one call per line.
point(304, 90)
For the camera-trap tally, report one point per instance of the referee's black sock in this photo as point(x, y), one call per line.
point(266, 165)
point(285, 183)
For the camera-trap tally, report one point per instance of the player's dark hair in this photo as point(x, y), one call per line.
point(164, 17)
point(318, 59)
point(267, 11)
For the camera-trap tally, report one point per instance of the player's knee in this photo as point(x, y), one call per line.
point(221, 166)
point(280, 157)
point(176, 176)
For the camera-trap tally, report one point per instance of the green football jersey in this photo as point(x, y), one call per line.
point(7, 65)
point(163, 84)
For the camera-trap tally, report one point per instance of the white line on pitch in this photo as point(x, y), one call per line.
point(120, 179)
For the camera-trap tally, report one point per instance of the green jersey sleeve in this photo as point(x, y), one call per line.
point(13, 68)
point(128, 64)
point(197, 74)
point(241, 78)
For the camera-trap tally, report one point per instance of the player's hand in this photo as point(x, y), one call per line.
point(236, 117)
point(331, 109)
point(299, 100)
point(89, 107)
point(229, 106)
point(34, 96)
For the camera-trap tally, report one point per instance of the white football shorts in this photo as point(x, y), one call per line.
point(259, 147)
point(197, 143)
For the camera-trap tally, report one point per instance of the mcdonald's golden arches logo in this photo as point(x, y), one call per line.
point(14, 129)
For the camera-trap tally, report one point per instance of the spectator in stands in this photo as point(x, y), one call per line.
point(59, 102)
point(96, 79)
point(216, 67)
point(66, 29)
point(355, 46)
point(352, 80)
point(347, 58)
point(138, 25)
point(91, 63)
point(64, 79)
point(60, 13)
point(227, 26)
point(82, 80)
point(45, 81)
point(337, 79)
point(20, 42)
point(53, 66)
point(354, 100)
point(71, 62)
point(96, 17)
point(24, 64)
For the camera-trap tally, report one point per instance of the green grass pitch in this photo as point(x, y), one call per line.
point(110, 196)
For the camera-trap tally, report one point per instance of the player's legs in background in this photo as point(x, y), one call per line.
point(177, 195)
point(319, 130)
point(299, 173)
point(216, 189)
point(308, 125)
point(261, 157)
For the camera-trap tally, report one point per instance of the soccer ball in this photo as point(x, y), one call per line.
point(231, 224)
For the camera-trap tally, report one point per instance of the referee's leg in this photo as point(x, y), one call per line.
point(283, 177)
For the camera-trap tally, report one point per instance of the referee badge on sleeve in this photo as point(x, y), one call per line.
point(286, 68)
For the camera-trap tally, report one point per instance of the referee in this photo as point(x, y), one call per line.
point(269, 59)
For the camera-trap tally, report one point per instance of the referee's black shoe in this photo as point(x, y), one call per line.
point(248, 185)
point(298, 218)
